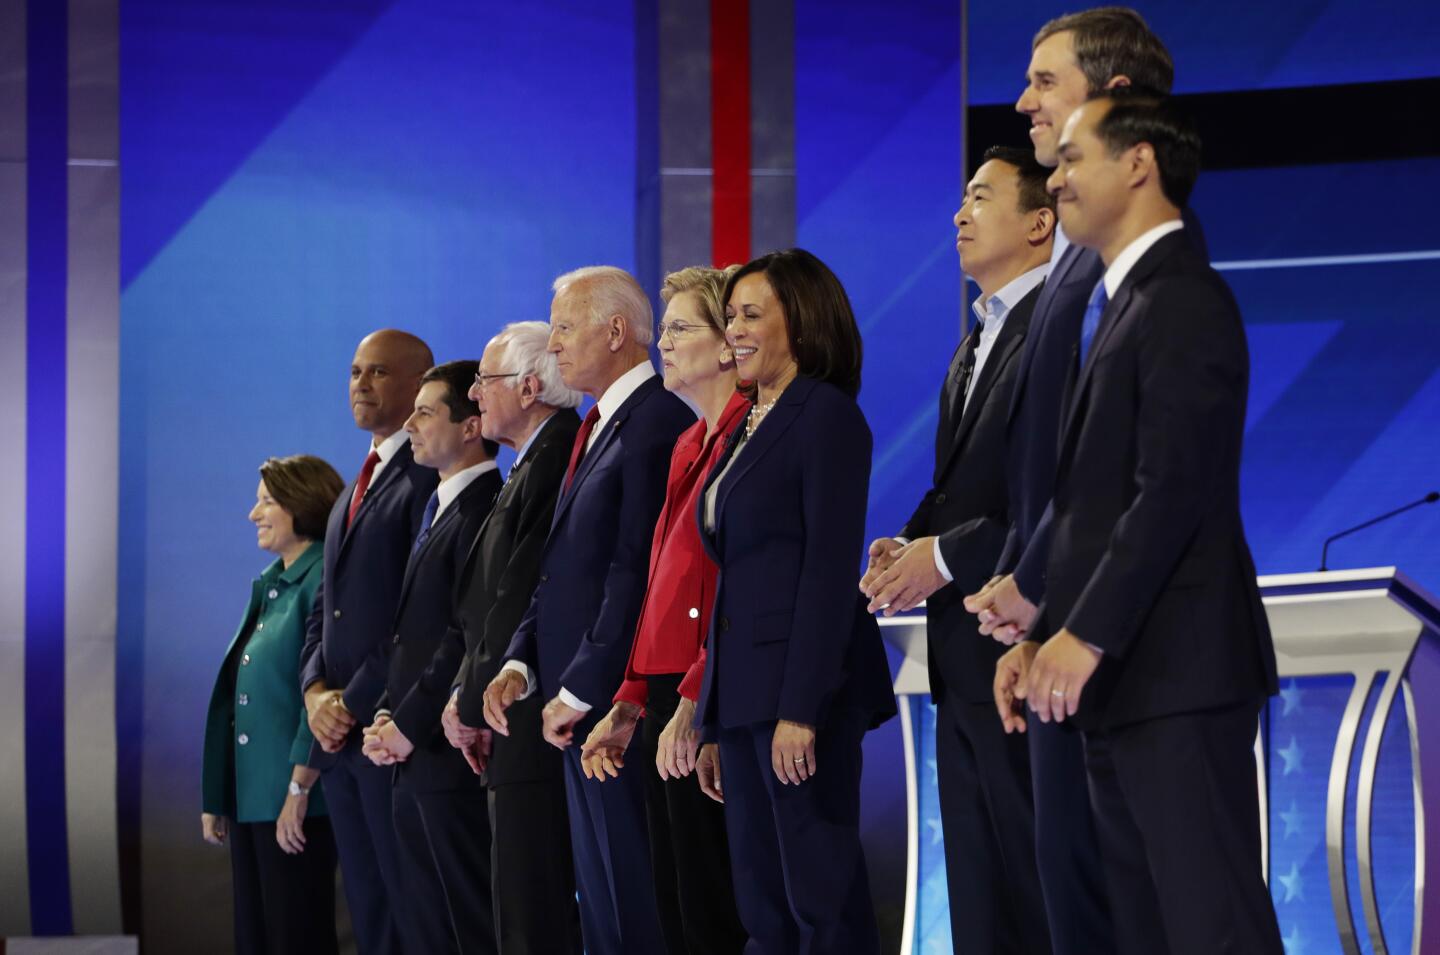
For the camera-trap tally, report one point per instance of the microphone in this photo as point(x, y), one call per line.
point(1430, 498)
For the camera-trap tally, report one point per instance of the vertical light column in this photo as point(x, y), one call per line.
point(772, 125)
point(14, 869)
point(92, 455)
point(684, 117)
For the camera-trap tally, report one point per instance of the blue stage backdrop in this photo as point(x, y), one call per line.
point(295, 176)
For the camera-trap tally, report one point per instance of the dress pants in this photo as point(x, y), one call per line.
point(688, 850)
point(1178, 816)
point(800, 878)
point(996, 905)
point(612, 860)
point(444, 843)
point(534, 871)
point(1071, 874)
point(357, 794)
point(284, 904)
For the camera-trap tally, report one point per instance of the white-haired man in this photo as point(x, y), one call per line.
point(575, 639)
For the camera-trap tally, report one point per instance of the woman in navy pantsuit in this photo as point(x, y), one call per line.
point(796, 673)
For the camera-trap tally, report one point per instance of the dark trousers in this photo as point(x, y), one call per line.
point(1072, 876)
point(688, 850)
point(612, 861)
point(444, 842)
point(357, 794)
point(534, 872)
point(996, 905)
point(800, 879)
point(283, 904)
point(1178, 815)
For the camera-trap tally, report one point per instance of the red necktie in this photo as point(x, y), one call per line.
point(581, 437)
point(362, 483)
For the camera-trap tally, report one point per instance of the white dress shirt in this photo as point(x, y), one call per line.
point(450, 488)
point(520, 452)
point(1132, 253)
point(609, 402)
point(386, 449)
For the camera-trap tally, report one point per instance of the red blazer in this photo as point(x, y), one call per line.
point(670, 635)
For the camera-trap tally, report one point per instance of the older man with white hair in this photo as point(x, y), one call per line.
point(575, 639)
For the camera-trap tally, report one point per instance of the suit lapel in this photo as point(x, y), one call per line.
point(602, 444)
point(398, 462)
point(1053, 281)
point(1117, 312)
point(767, 435)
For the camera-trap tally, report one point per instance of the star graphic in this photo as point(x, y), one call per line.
point(1292, 755)
point(1291, 695)
point(1291, 818)
point(1294, 944)
point(1294, 888)
point(936, 833)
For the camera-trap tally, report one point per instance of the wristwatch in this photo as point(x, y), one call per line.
point(298, 790)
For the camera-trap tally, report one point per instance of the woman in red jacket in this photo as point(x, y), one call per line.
point(662, 680)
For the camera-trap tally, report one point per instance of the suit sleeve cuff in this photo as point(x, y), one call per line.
point(633, 691)
point(573, 701)
point(516, 666)
point(940, 564)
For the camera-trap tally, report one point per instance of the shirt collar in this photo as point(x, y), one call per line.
point(1062, 242)
point(455, 484)
point(997, 306)
point(302, 564)
point(387, 448)
point(1132, 253)
point(520, 453)
point(622, 388)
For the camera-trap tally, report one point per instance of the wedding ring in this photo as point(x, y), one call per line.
point(799, 759)
point(1057, 692)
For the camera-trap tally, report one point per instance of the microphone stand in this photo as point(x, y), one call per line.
point(1430, 498)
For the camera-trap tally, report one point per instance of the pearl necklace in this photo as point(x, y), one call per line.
point(757, 415)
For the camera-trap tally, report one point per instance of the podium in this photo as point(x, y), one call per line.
point(1344, 835)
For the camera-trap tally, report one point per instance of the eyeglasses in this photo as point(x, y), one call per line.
point(483, 379)
point(674, 329)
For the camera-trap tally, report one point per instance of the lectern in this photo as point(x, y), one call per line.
point(1348, 644)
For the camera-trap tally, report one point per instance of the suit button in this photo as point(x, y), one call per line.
point(243, 739)
point(337, 615)
point(544, 577)
point(724, 623)
point(260, 625)
point(273, 593)
point(395, 639)
point(940, 498)
point(694, 612)
point(244, 699)
point(245, 660)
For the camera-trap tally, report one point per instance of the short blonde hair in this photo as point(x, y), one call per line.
point(709, 287)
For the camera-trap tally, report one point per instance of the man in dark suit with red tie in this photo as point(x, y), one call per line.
point(575, 638)
point(948, 549)
point(343, 664)
point(1160, 650)
point(440, 817)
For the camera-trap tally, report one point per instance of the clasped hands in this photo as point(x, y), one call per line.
point(384, 744)
point(330, 720)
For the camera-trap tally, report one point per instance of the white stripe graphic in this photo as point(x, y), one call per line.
point(1314, 261)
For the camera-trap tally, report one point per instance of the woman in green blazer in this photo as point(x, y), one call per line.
point(256, 783)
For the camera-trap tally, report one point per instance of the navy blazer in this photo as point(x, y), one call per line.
point(1032, 434)
point(347, 638)
point(580, 624)
point(426, 603)
point(790, 638)
point(1149, 560)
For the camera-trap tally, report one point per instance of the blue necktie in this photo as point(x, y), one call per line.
point(1091, 324)
point(431, 506)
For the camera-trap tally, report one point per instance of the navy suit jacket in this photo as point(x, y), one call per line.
point(347, 639)
point(426, 603)
point(790, 638)
point(1032, 435)
point(1149, 560)
point(580, 624)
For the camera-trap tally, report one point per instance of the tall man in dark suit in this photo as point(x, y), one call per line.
point(343, 664)
point(439, 804)
point(1071, 57)
point(525, 406)
point(1162, 653)
point(575, 638)
point(948, 549)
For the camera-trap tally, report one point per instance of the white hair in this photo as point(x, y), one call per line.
point(527, 352)
point(612, 291)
